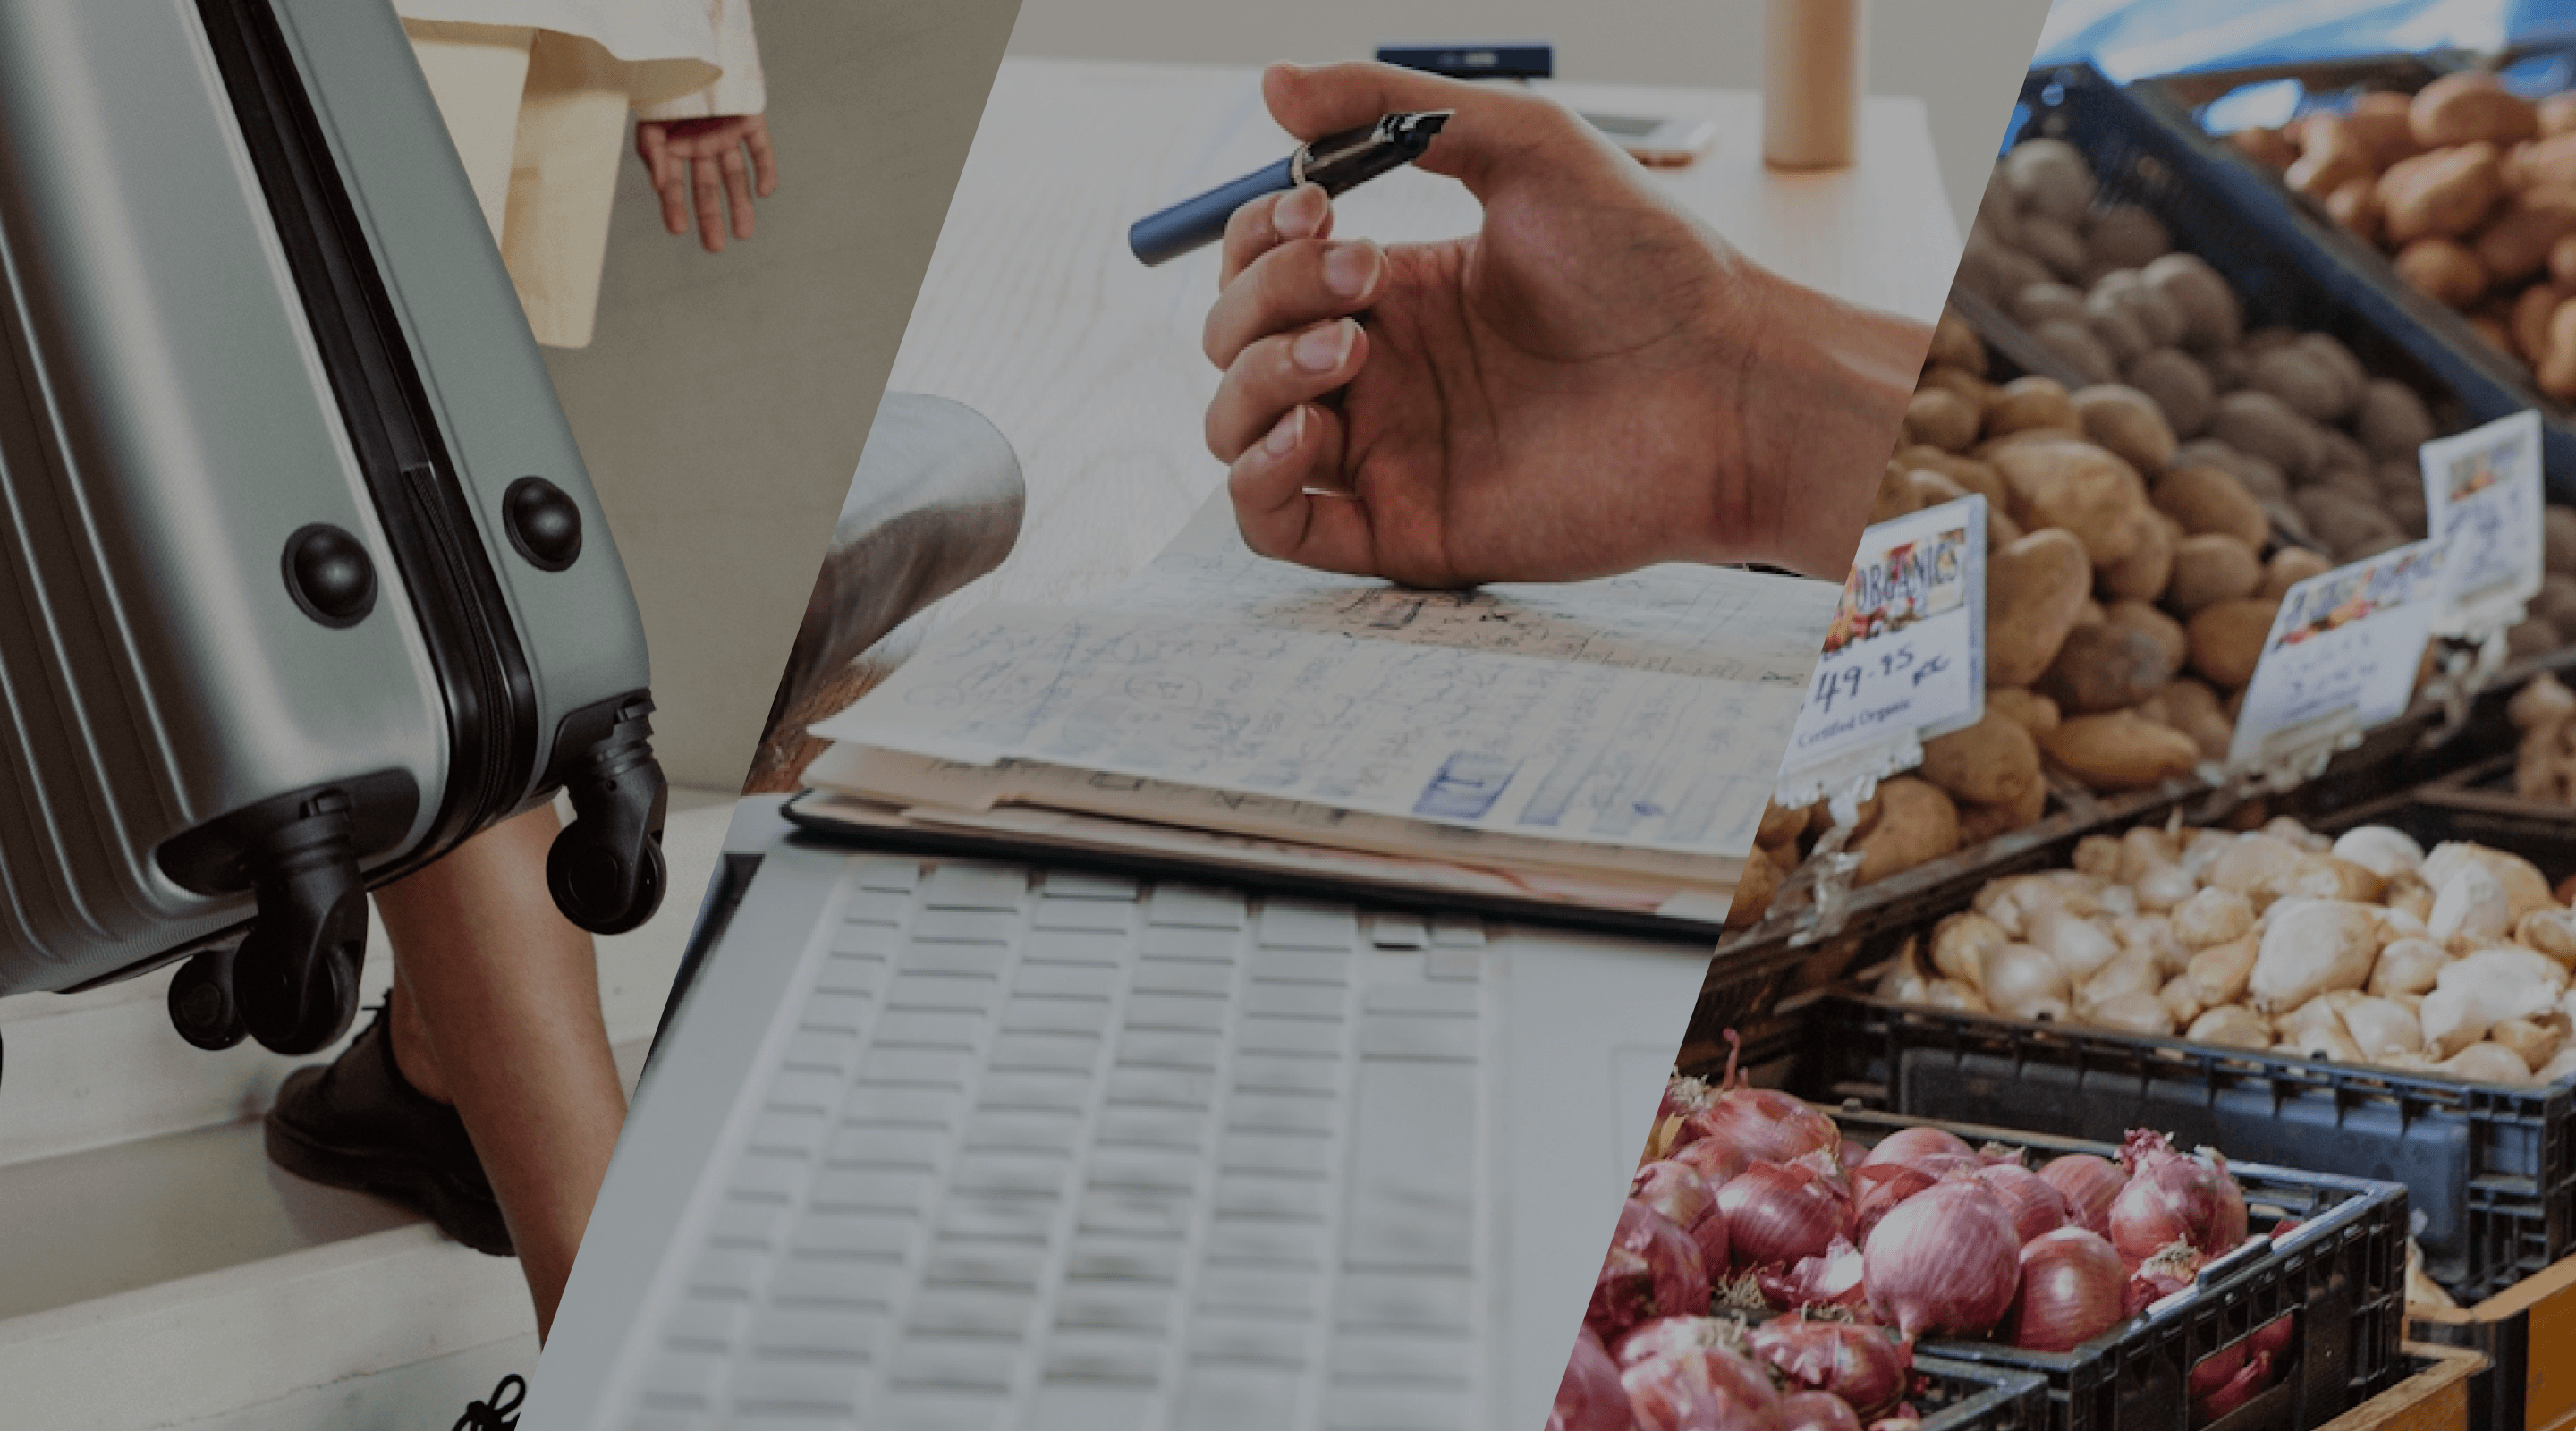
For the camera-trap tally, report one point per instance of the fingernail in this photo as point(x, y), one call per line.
point(1320, 350)
point(1284, 436)
point(1350, 269)
point(1299, 214)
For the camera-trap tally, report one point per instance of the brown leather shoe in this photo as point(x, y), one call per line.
point(356, 1123)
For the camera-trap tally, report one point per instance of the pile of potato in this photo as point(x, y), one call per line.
point(2472, 189)
point(2361, 950)
point(2544, 766)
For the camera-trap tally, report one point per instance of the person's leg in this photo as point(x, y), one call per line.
point(495, 1009)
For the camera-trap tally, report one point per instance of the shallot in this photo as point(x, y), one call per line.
point(1862, 1365)
point(1590, 1397)
point(2072, 1286)
point(1945, 1261)
point(2172, 1196)
point(2088, 1183)
point(1781, 1214)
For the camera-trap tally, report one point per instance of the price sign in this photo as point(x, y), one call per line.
point(2482, 495)
point(2342, 654)
point(1905, 658)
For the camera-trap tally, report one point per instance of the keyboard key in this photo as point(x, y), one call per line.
point(1278, 1073)
point(1293, 924)
point(895, 876)
point(706, 1323)
point(743, 1224)
point(806, 1089)
point(870, 940)
point(1014, 1131)
point(1183, 906)
point(861, 977)
point(1406, 1300)
point(969, 1264)
point(929, 1028)
point(828, 1053)
point(1084, 1367)
point(899, 1106)
point(1086, 944)
point(873, 1189)
point(861, 1284)
point(1175, 1130)
point(1302, 966)
point(1086, 981)
point(1160, 1048)
point(888, 1235)
point(1079, 884)
point(798, 1132)
point(886, 1147)
point(1009, 1171)
point(1281, 1241)
point(1413, 1167)
point(1121, 1210)
point(684, 1379)
point(962, 944)
point(1183, 976)
point(1295, 1000)
point(1457, 965)
point(1027, 1013)
point(1237, 1398)
point(1397, 1408)
point(1398, 931)
point(1104, 1256)
point(720, 1272)
point(1386, 1353)
point(850, 1336)
point(935, 1407)
point(1021, 1091)
point(919, 1067)
point(1277, 1291)
point(988, 1216)
point(1142, 1168)
point(881, 908)
point(1439, 1037)
point(1457, 931)
point(970, 1311)
point(834, 1013)
point(799, 1385)
point(973, 887)
point(1295, 1153)
point(1116, 1306)
point(1185, 1012)
point(1153, 1086)
point(913, 989)
point(1241, 1337)
point(1259, 1034)
point(1251, 1111)
point(1264, 1195)
point(1046, 1053)
point(1402, 998)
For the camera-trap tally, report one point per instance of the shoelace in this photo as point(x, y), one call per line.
point(498, 1414)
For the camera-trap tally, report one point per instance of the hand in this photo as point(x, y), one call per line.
point(1590, 383)
point(702, 159)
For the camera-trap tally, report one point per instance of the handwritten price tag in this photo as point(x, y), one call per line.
point(2342, 653)
point(1905, 657)
point(2482, 495)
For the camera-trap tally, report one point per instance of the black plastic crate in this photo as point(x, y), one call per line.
point(1964, 1396)
point(2343, 1274)
point(2290, 263)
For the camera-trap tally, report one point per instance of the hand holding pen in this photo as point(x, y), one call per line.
point(1589, 383)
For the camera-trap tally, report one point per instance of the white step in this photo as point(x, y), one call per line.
point(87, 1070)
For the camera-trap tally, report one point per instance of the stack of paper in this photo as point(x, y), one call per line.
point(1607, 743)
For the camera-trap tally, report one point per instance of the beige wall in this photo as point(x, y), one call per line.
point(1964, 58)
point(722, 406)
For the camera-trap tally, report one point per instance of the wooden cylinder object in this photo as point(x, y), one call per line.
point(1814, 59)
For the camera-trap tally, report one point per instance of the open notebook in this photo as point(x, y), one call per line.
point(1602, 746)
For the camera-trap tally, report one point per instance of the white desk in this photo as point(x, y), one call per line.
point(1035, 314)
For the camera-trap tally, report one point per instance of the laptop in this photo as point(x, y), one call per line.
point(937, 1142)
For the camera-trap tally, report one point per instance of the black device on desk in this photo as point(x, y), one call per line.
point(1516, 61)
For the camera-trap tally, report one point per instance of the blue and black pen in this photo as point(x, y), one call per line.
point(1336, 163)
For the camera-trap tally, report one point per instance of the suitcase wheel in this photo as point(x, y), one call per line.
point(295, 977)
point(606, 870)
point(201, 1001)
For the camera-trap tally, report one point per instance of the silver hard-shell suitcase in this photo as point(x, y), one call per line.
point(302, 581)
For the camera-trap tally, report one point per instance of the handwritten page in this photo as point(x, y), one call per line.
point(1710, 622)
point(1548, 749)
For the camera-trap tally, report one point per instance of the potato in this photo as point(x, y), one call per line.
point(2442, 270)
point(2211, 568)
point(2143, 573)
point(2443, 194)
point(2089, 491)
point(2263, 426)
point(2056, 245)
point(1956, 345)
point(2261, 480)
point(2468, 108)
point(2532, 310)
point(2533, 636)
point(2127, 422)
point(2030, 403)
point(2195, 710)
point(2558, 538)
point(2516, 243)
point(2305, 386)
point(2034, 592)
point(2331, 157)
point(1968, 472)
point(1994, 761)
point(2339, 364)
point(1975, 391)
point(2382, 123)
point(2393, 421)
point(2126, 236)
point(1941, 419)
point(2105, 667)
point(2049, 177)
point(2206, 501)
point(2041, 302)
point(1916, 823)
point(2164, 630)
point(2288, 567)
point(1988, 269)
point(2557, 113)
point(2028, 709)
point(1754, 891)
point(2342, 522)
point(2227, 639)
point(2077, 346)
point(1980, 823)
point(2179, 387)
point(2125, 290)
point(2210, 308)
point(1894, 496)
point(2556, 603)
point(2355, 205)
point(2121, 751)
point(2264, 146)
point(2555, 373)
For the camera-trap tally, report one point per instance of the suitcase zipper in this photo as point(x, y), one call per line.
point(428, 524)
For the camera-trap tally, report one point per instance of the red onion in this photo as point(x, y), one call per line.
point(2160, 1277)
point(1590, 1397)
point(2273, 1337)
point(1832, 1280)
point(2171, 1196)
point(1876, 1190)
point(1777, 1214)
point(1677, 1191)
point(1757, 1125)
point(2088, 1184)
point(2036, 1207)
point(1623, 1294)
point(2217, 1369)
point(1679, 1281)
point(2249, 1380)
point(1945, 1261)
point(1717, 1163)
point(1907, 1145)
point(1861, 1365)
point(2073, 1286)
point(1817, 1411)
point(1671, 1336)
point(1704, 1389)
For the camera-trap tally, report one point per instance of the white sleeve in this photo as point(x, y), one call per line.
point(741, 89)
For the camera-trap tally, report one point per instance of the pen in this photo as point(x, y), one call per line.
point(1336, 163)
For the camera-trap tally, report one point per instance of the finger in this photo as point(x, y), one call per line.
point(706, 182)
point(673, 186)
point(737, 182)
point(764, 160)
point(1282, 516)
point(1289, 287)
point(1262, 225)
point(1326, 99)
point(1279, 373)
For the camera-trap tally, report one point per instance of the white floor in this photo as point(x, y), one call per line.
point(142, 1229)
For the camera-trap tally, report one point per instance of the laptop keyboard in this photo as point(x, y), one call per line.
point(1060, 1152)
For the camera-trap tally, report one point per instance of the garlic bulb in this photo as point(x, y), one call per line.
point(1962, 943)
point(2408, 966)
point(2507, 981)
point(2451, 1022)
point(2311, 947)
point(2384, 850)
point(2164, 887)
point(2232, 1026)
point(2219, 973)
point(2549, 931)
point(2486, 1063)
point(2079, 946)
point(2469, 909)
point(2383, 1029)
point(2153, 936)
point(2181, 999)
point(2533, 1040)
point(2138, 1013)
point(2524, 885)
point(2213, 916)
point(2251, 865)
point(2019, 975)
point(2131, 973)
